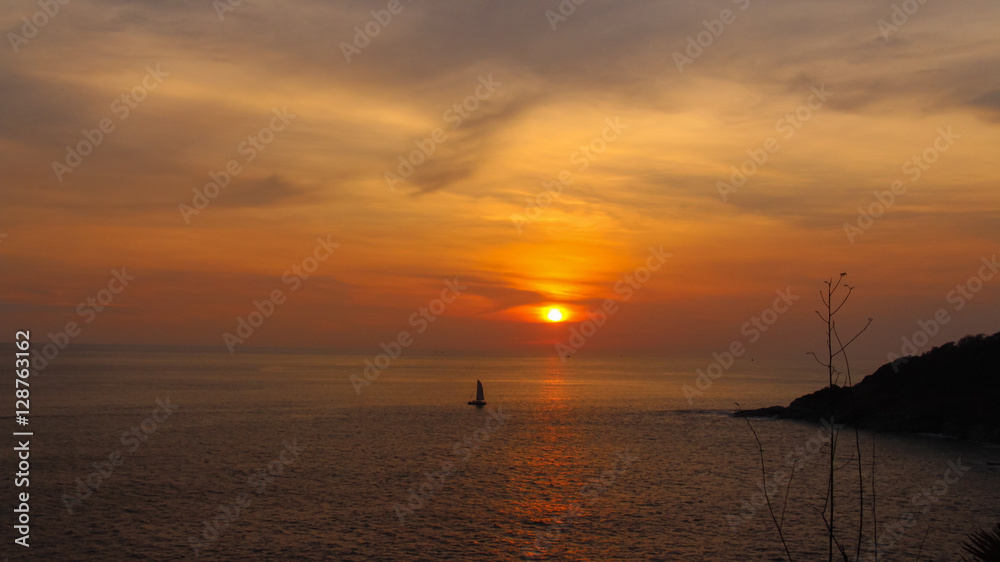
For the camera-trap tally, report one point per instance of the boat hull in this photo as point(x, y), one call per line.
point(479, 403)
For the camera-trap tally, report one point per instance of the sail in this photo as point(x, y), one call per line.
point(479, 390)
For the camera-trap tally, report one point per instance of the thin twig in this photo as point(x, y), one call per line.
point(833, 444)
point(923, 541)
point(763, 474)
point(857, 445)
point(835, 541)
point(844, 346)
point(784, 504)
point(843, 302)
point(874, 516)
point(816, 358)
point(847, 463)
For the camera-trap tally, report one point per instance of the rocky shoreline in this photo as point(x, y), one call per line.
point(952, 390)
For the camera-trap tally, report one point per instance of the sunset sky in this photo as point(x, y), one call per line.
point(207, 82)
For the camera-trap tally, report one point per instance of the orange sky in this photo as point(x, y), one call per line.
point(649, 179)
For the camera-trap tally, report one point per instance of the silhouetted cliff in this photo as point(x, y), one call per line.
point(953, 389)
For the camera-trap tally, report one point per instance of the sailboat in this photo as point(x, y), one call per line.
point(479, 401)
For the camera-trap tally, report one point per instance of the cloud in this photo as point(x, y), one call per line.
point(263, 192)
point(325, 173)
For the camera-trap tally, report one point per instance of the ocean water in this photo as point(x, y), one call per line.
point(276, 457)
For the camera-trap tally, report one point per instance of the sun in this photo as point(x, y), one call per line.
point(554, 315)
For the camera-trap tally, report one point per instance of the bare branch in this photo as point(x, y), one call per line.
point(847, 463)
point(816, 358)
point(874, 516)
point(844, 346)
point(857, 445)
point(919, 552)
point(835, 541)
point(763, 474)
point(847, 296)
point(784, 505)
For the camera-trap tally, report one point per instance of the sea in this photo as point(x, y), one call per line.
point(174, 454)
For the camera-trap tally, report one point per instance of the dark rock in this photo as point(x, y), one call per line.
point(952, 390)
